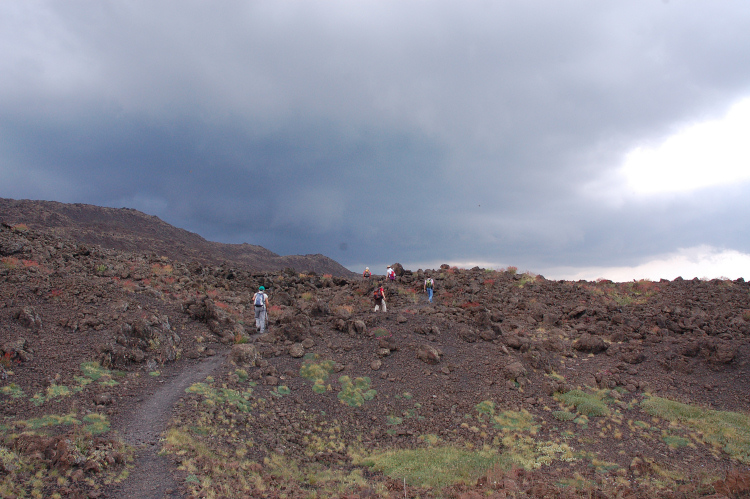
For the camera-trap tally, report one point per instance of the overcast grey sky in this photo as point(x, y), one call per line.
point(484, 132)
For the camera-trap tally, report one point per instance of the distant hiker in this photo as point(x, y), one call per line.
point(429, 285)
point(260, 300)
point(366, 274)
point(390, 274)
point(379, 297)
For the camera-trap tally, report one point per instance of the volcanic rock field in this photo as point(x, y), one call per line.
point(140, 373)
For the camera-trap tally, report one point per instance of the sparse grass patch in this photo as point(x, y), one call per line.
point(280, 391)
point(486, 410)
point(49, 420)
point(728, 431)
point(563, 415)
point(393, 420)
point(219, 396)
point(515, 421)
point(676, 441)
point(587, 404)
point(12, 390)
point(96, 424)
point(434, 467)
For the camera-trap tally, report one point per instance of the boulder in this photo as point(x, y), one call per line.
point(428, 354)
point(28, 317)
point(297, 350)
point(514, 370)
point(358, 327)
point(467, 334)
point(488, 334)
point(589, 343)
point(398, 269)
point(244, 354)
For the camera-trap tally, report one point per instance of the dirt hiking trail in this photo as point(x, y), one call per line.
point(143, 428)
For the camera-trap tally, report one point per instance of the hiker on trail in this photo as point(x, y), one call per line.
point(260, 299)
point(390, 274)
point(429, 285)
point(366, 274)
point(379, 297)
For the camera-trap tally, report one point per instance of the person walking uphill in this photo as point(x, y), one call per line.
point(366, 274)
point(260, 299)
point(379, 297)
point(429, 285)
point(390, 274)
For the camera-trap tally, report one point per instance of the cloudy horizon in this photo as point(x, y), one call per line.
point(579, 139)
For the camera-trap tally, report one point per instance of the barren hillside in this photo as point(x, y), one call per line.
point(507, 385)
point(130, 230)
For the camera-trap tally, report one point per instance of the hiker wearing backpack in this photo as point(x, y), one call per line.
point(429, 285)
point(379, 297)
point(390, 274)
point(260, 300)
point(366, 274)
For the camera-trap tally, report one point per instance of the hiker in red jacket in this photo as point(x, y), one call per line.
point(379, 297)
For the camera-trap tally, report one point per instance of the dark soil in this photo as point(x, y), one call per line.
point(94, 334)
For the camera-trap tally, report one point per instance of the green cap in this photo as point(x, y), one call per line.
point(261, 288)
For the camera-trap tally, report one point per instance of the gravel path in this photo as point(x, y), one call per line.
point(151, 477)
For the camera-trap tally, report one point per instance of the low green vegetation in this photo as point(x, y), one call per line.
point(220, 396)
point(12, 390)
point(92, 372)
point(724, 430)
point(355, 392)
point(515, 421)
point(588, 404)
point(434, 467)
point(317, 371)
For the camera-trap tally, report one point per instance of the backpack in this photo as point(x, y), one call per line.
point(259, 302)
point(378, 295)
point(429, 283)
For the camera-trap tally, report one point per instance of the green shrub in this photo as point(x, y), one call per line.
point(563, 415)
point(357, 392)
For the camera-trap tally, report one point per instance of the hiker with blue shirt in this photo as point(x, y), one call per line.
point(429, 285)
point(260, 300)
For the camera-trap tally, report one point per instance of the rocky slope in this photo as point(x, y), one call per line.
point(130, 230)
point(507, 385)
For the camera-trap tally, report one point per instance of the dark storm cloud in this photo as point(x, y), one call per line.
point(373, 131)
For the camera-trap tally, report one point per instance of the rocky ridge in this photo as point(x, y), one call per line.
point(131, 230)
